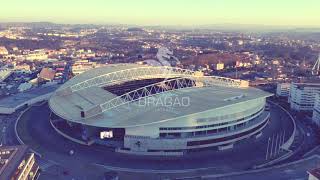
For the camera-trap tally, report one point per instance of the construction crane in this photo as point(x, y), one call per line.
point(316, 67)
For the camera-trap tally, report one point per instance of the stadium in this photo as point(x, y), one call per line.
point(157, 110)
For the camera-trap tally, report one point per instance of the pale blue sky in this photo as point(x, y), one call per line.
point(165, 12)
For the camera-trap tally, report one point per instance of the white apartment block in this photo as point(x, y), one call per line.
point(302, 96)
point(219, 66)
point(316, 110)
point(283, 89)
point(81, 66)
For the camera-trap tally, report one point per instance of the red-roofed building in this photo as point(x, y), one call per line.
point(3, 50)
point(46, 74)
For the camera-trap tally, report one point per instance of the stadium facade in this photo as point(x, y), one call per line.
point(149, 110)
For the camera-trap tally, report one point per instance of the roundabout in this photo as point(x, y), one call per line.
point(118, 118)
point(35, 130)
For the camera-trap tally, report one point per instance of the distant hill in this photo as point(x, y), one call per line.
point(135, 29)
point(30, 24)
point(40, 25)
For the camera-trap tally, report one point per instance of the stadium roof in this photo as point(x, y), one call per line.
point(99, 71)
point(148, 110)
point(17, 99)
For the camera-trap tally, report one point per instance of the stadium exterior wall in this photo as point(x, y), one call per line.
point(157, 144)
point(214, 116)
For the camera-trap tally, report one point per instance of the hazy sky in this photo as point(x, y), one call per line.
point(164, 12)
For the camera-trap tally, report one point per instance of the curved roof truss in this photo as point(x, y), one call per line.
point(143, 72)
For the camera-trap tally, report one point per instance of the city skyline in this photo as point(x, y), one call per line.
point(165, 12)
point(159, 89)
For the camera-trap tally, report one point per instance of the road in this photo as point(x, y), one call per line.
point(7, 135)
point(308, 135)
point(296, 170)
point(55, 148)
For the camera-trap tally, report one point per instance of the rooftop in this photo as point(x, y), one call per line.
point(303, 85)
point(47, 74)
point(20, 98)
point(11, 158)
point(136, 113)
